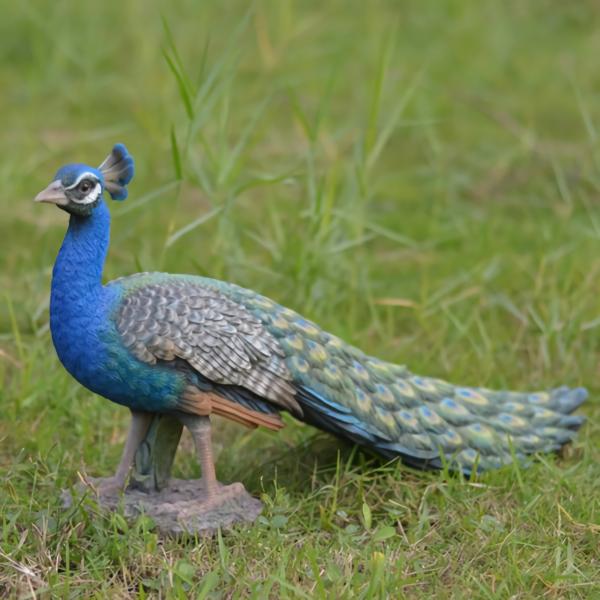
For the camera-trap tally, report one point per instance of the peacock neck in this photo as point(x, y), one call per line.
point(77, 273)
point(79, 304)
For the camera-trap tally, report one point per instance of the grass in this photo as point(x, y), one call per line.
point(422, 179)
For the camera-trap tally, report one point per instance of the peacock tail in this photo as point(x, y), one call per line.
point(265, 357)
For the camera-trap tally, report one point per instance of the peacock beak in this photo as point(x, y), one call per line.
point(54, 193)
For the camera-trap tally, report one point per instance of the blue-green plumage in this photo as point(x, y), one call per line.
point(160, 343)
point(83, 329)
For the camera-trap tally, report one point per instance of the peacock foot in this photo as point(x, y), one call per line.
point(105, 486)
point(193, 506)
point(218, 496)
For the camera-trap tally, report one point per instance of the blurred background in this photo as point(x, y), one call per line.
point(422, 179)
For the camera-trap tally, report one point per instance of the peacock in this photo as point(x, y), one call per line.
point(195, 347)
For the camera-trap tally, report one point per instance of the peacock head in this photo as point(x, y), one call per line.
point(78, 188)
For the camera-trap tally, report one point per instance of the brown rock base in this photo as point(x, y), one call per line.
point(177, 509)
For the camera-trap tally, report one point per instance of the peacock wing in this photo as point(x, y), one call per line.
point(178, 318)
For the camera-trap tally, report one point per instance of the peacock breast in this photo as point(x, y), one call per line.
point(91, 350)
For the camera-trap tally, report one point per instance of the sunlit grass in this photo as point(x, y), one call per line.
point(420, 179)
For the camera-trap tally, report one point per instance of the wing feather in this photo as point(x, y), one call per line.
point(218, 337)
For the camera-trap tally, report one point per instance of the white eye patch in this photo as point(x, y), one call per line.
point(82, 176)
point(92, 196)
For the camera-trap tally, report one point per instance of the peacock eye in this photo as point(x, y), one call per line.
point(85, 186)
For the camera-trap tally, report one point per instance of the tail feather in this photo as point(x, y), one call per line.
point(432, 423)
point(427, 422)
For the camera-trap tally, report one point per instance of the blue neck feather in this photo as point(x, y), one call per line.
point(78, 268)
point(78, 302)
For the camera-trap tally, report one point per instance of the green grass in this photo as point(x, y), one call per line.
point(422, 179)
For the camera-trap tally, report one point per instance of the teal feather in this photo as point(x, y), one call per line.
point(427, 421)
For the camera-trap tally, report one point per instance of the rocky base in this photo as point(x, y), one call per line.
point(178, 508)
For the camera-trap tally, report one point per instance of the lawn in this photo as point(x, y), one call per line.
point(421, 179)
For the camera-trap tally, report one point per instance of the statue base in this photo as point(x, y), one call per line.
point(176, 509)
point(175, 505)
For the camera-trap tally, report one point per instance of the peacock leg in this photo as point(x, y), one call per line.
point(215, 493)
point(140, 422)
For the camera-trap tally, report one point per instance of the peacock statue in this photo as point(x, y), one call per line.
point(194, 347)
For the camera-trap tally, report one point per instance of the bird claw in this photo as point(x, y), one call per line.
point(221, 495)
point(105, 486)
